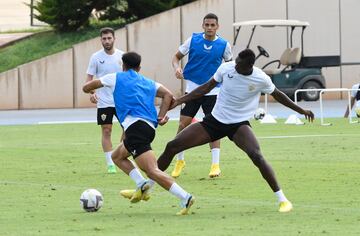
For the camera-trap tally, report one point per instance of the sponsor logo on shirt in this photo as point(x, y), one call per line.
point(102, 62)
point(207, 47)
point(230, 76)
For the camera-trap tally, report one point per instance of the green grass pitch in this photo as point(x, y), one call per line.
point(45, 168)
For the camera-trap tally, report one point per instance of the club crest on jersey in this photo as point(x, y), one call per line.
point(251, 87)
point(207, 47)
point(102, 62)
point(103, 117)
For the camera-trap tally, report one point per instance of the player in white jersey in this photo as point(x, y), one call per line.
point(355, 99)
point(103, 62)
point(242, 84)
point(205, 51)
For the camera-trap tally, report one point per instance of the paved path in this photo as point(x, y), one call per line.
point(8, 38)
point(43, 116)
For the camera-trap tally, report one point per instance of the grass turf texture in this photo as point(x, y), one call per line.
point(45, 168)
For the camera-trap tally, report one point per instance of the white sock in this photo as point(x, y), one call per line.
point(180, 156)
point(215, 153)
point(152, 183)
point(109, 161)
point(281, 196)
point(179, 192)
point(137, 177)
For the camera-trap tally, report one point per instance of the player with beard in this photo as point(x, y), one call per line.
point(103, 62)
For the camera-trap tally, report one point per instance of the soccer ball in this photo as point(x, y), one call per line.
point(91, 200)
point(259, 114)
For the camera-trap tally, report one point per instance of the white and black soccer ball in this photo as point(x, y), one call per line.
point(91, 200)
point(259, 113)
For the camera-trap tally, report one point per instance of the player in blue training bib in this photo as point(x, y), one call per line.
point(206, 51)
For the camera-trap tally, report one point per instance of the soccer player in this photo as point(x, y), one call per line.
point(242, 84)
point(105, 61)
point(134, 97)
point(355, 96)
point(205, 51)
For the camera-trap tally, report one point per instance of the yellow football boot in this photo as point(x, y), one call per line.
point(179, 166)
point(186, 207)
point(128, 193)
point(214, 171)
point(285, 206)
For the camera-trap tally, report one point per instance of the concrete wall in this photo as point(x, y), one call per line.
point(322, 37)
point(48, 82)
point(350, 46)
point(9, 90)
point(56, 81)
point(156, 38)
point(246, 10)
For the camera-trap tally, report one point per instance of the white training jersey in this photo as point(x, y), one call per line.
point(109, 81)
point(353, 94)
point(239, 94)
point(102, 64)
point(190, 86)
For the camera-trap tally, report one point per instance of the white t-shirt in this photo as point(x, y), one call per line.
point(184, 49)
point(102, 64)
point(109, 82)
point(353, 94)
point(239, 94)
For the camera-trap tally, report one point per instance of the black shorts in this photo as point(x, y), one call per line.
point(190, 108)
point(138, 138)
point(218, 130)
point(105, 115)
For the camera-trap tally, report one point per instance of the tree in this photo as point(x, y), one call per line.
point(68, 15)
point(139, 9)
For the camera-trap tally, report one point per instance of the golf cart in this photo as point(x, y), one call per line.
point(292, 70)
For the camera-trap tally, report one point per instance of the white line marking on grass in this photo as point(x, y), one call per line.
point(65, 122)
point(307, 136)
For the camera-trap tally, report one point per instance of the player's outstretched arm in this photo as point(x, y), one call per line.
point(167, 99)
point(197, 93)
point(90, 86)
point(286, 101)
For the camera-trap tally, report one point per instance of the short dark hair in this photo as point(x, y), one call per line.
point(131, 60)
point(211, 16)
point(107, 30)
point(247, 56)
